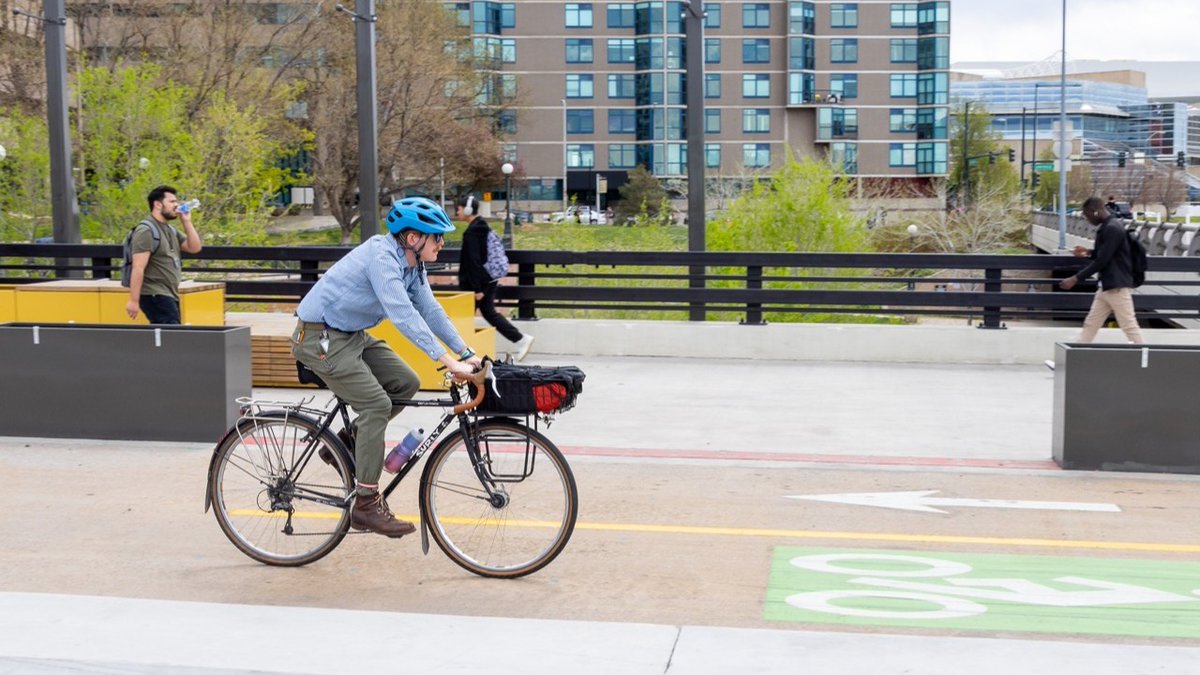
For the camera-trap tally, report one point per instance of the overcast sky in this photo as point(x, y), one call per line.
point(1031, 30)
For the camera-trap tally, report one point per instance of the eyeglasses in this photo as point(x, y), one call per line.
point(437, 238)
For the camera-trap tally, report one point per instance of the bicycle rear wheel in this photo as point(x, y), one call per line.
point(527, 519)
point(277, 501)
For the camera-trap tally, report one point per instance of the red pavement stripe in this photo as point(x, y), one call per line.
point(743, 455)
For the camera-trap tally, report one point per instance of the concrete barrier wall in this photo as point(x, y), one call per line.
point(814, 342)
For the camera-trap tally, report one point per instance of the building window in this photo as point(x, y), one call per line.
point(506, 122)
point(756, 121)
point(462, 13)
point(579, 86)
point(756, 15)
point(579, 15)
point(843, 15)
point(508, 50)
point(933, 17)
point(933, 53)
point(712, 15)
point(844, 156)
point(620, 15)
point(712, 50)
point(712, 85)
point(581, 156)
point(903, 85)
point(802, 53)
point(802, 88)
point(622, 86)
point(756, 85)
point(508, 152)
point(903, 120)
point(931, 123)
point(843, 50)
point(931, 158)
point(622, 121)
point(845, 85)
point(581, 121)
point(933, 88)
point(904, 15)
point(712, 155)
point(902, 154)
point(802, 18)
point(579, 50)
point(756, 50)
point(756, 155)
point(712, 121)
point(622, 156)
point(508, 15)
point(837, 123)
point(904, 50)
point(621, 50)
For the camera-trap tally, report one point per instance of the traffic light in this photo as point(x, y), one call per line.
point(1180, 159)
point(991, 158)
point(1121, 159)
point(1012, 156)
point(1037, 180)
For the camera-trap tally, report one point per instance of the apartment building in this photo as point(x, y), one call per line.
point(601, 87)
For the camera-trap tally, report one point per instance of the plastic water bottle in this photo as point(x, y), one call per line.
point(189, 205)
point(403, 450)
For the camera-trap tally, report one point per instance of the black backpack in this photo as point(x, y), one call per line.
point(127, 254)
point(1137, 258)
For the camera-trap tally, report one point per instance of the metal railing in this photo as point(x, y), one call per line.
point(750, 286)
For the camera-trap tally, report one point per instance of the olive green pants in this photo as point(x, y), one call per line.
point(365, 373)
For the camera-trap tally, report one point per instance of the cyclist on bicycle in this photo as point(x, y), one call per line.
point(382, 278)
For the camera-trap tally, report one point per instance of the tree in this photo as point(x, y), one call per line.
point(25, 209)
point(222, 155)
point(435, 103)
point(985, 174)
point(804, 206)
point(641, 195)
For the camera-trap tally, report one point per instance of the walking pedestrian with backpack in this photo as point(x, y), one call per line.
point(482, 264)
point(1119, 267)
point(153, 267)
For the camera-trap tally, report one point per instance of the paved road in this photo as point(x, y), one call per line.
point(692, 553)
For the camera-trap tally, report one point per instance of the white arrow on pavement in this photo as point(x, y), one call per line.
point(920, 500)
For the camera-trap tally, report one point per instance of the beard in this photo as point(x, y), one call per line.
point(170, 215)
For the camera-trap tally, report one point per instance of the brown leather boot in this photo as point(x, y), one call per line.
point(371, 513)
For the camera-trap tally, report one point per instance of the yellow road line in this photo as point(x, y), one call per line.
point(797, 534)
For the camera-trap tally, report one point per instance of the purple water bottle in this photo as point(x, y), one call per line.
point(403, 450)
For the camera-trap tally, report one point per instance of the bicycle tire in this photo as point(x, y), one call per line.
point(257, 480)
point(509, 540)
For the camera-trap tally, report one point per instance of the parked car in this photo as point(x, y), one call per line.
point(582, 214)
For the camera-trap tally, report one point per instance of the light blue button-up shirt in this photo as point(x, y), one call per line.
point(374, 282)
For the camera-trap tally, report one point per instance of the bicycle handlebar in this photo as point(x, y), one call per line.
point(480, 381)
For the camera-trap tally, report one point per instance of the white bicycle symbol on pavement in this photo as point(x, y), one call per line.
point(955, 596)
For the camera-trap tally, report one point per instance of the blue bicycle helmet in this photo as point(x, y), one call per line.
point(420, 214)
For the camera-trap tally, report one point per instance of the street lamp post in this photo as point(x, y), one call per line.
point(912, 244)
point(507, 169)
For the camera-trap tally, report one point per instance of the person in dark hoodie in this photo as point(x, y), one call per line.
point(474, 276)
point(1113, 262)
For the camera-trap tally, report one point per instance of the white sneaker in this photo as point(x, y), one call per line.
point(1049, 364)
point(522, 346)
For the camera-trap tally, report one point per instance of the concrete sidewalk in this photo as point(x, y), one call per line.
point(83, 634)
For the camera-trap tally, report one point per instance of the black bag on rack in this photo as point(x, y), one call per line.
point(525, 390)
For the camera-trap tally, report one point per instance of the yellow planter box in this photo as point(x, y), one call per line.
point(8, 303)
point(63, 301)
point(103, 301)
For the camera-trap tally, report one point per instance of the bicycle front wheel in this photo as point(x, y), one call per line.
point(513, 515)
point(279, 489)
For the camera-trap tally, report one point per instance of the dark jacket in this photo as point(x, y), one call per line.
point(471, 275)
point(1110, 257)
